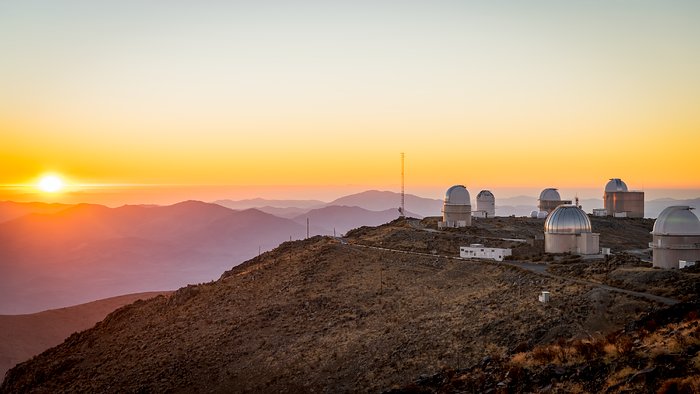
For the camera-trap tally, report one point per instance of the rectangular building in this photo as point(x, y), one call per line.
point(479, 251)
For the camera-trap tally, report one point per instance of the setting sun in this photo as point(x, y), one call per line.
point(50, 184)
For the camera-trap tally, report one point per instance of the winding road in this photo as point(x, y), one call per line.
point(540, 269)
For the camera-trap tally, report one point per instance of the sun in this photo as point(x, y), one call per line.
point(50, 184)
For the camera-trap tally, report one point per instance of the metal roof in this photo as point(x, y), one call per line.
point(567, 219)
point(550, 194)
point(457, 195)
point(677, 220)
point(615, 185)
point(485, 195)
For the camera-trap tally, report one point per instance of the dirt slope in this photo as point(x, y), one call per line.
point(24, 336)
point(322, 316)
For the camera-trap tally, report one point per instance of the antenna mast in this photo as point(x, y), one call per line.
point(403, 195)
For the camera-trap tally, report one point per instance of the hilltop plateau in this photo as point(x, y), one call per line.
point(368, 312)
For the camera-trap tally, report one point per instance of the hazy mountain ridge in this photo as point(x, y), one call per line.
point(24, 336)
point(263, 202)
point(344, 218)
point(89, 251)
point(11, 210)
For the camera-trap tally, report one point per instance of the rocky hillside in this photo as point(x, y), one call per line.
point(24, 336)
point(327, 315)
point(656, 354)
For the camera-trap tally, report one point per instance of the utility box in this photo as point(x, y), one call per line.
point(600, 212)
point(605, 251)
point(685, 264)
point(544, 297)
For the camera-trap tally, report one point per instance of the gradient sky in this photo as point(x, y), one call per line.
point(502, 94)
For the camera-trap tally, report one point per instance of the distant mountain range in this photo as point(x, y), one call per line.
point(54, 255)
point(374, 200)
point(344, 218)
point(88, 252)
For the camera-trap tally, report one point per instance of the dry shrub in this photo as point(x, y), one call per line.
point(689, 385)
point(624, 345)
point(543, 354)
point(589, 349)
point(610, 350)
point(519, 359)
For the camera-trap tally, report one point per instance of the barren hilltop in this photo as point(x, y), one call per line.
point(374, 311)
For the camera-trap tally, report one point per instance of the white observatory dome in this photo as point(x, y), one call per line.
point(677, 220)
point(567, 219)
point(457, 195)
point(485, 195)
point(550, 194)
point(615, 185)
point(533, 214)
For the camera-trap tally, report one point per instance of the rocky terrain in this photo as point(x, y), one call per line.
point(655, 354)
point(340, 315)
point(24, 336)
point(629, 272)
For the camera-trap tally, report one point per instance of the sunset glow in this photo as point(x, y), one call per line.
point(50, 184)
point(507, 95)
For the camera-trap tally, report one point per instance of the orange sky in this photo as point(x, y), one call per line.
point(500, 96)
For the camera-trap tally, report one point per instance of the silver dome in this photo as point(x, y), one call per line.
point(457, 195)
point(677, 220)
point(567, 219)
point(550, 194)
point(615, 185)
point(485, 195)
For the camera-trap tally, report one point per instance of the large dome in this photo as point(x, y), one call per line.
point(485, 195)
point(550, 194)
point(567, 219)
point(615, 185)
point(457, 195)
point(677, 220)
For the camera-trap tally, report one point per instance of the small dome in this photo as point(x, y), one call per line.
point(677, 220)
point(457, 195)
point(533, 214)
point(550, 194)
point(615, 185)
point(485, 195)
point(567, 219)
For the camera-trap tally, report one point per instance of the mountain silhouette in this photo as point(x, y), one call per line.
point(88, 252)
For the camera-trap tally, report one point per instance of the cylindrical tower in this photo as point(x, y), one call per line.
point(457, 209)
point(676, 236)
point(486, 202)
point(568, 229)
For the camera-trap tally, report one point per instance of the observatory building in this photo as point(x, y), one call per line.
point(457, 209)
point(485, 205)
point(676, 237)
point(550, 199)
point(620, 202)
point(568, 229)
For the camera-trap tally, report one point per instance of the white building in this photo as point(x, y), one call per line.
point(600, 212)
point(457, 208)
point(479, 251)
point(675, 237)
point(568, 229)
point(485, 204)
